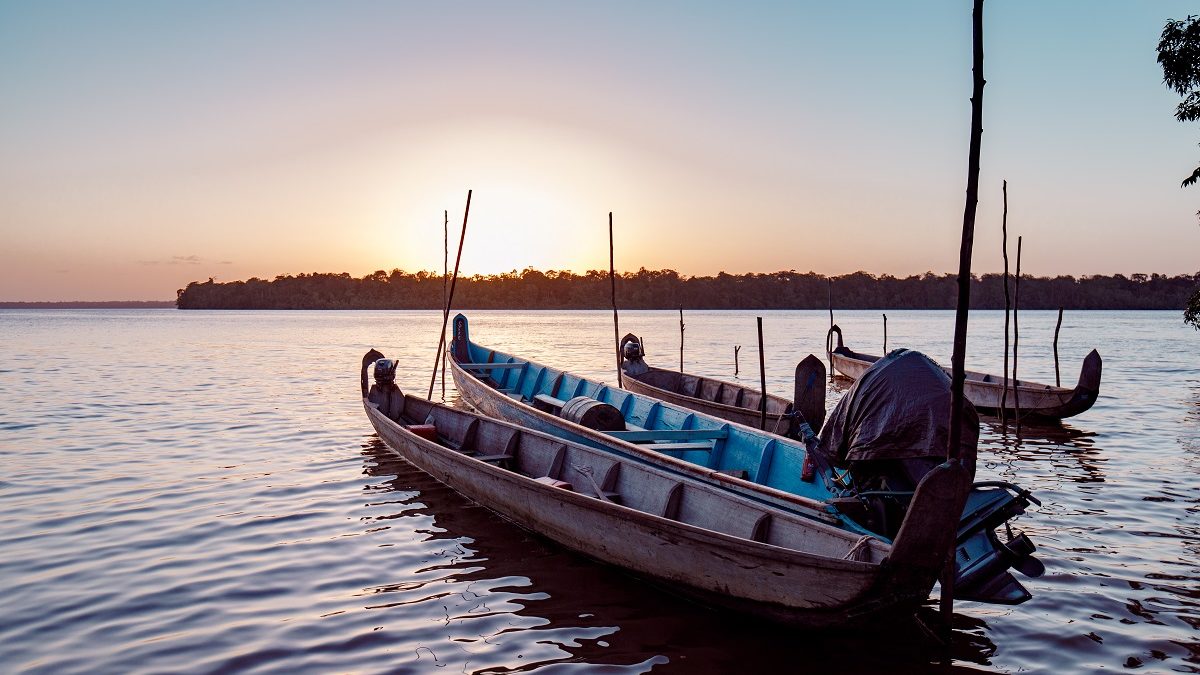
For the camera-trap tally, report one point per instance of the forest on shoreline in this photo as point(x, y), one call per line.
point(667, 289)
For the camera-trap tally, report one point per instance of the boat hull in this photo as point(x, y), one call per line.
point(775, 423)
point(722, 570)
point(986, 392)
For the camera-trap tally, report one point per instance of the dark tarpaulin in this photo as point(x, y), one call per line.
point(899, 409)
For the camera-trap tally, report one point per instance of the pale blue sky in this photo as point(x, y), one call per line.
point(143, 145)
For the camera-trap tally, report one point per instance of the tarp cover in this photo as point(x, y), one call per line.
point(898, 409)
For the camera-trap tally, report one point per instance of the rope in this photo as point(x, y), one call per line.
point(859, 547)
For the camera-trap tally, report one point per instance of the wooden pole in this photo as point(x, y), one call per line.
point(450, 297)
point(958, 360)
point(828, 346)
point(1004, 234)
point(1057, 326)
point(612, 277)
point(736, 349)
point(885, 334)
point(762, 378)
point(1016, 339)
point(445, 280)
point(681, 338)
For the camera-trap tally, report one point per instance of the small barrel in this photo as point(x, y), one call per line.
point(593, 414)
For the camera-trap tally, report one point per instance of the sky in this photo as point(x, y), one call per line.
point(144, 145)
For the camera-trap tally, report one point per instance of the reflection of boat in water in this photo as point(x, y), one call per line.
point(986, 391)
point(863, 488)
point(717, 545)
point(1072, 452)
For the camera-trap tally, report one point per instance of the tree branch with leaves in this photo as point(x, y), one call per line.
point(1179, 56)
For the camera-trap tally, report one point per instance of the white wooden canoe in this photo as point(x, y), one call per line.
point(709, 543)
point(727, 400)
point(718, 398)
point(986, 391)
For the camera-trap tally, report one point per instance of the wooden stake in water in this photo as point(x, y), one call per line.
point(1057, 377)
point(1004, 249)
point(828, 344)
point(958, 360)
point(885, 334)
point(1016, 339)
point(762, 378)
point(681, 338)
point(449, 297)
point(612, 277)
point(445, 280)
point(736, 349)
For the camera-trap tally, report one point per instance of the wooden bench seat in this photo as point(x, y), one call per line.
point(490, 366)
point(549, 400)
point(641, 434)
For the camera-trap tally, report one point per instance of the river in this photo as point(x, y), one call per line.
point(201, 492)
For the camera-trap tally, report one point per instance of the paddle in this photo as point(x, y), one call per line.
point(809, 396)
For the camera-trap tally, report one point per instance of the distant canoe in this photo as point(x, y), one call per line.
point(718, 398)
point(715, 545)
point(986, 391)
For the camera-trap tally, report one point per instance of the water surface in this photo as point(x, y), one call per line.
point(201, 492)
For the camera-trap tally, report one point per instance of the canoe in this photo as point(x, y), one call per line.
point(714, 545)
point(719, 398)
point(766, 468)
point(986, 392)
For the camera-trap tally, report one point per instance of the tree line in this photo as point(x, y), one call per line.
point(667, 289)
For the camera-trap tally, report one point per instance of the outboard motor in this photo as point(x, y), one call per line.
point(632, 353)
point(885, 434)
point(384, 393)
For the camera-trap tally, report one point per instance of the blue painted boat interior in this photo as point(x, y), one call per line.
point(709, 442)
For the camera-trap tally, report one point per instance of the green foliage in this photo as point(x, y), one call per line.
point(1191, 314)
point(1179, 56)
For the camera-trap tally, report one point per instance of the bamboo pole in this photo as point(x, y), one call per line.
point(1004, 248)
point(958, 360)
point(1057, 326)
point(445, 279)
point(450, 297)
point(1016, 339)
point(829, 336)
point(762, 378)
point(681, 338)
point(612, 277)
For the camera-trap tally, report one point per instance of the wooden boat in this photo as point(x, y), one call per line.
point(715, 545)
point(764, 467)
point(986, 391)
point(726, 400)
